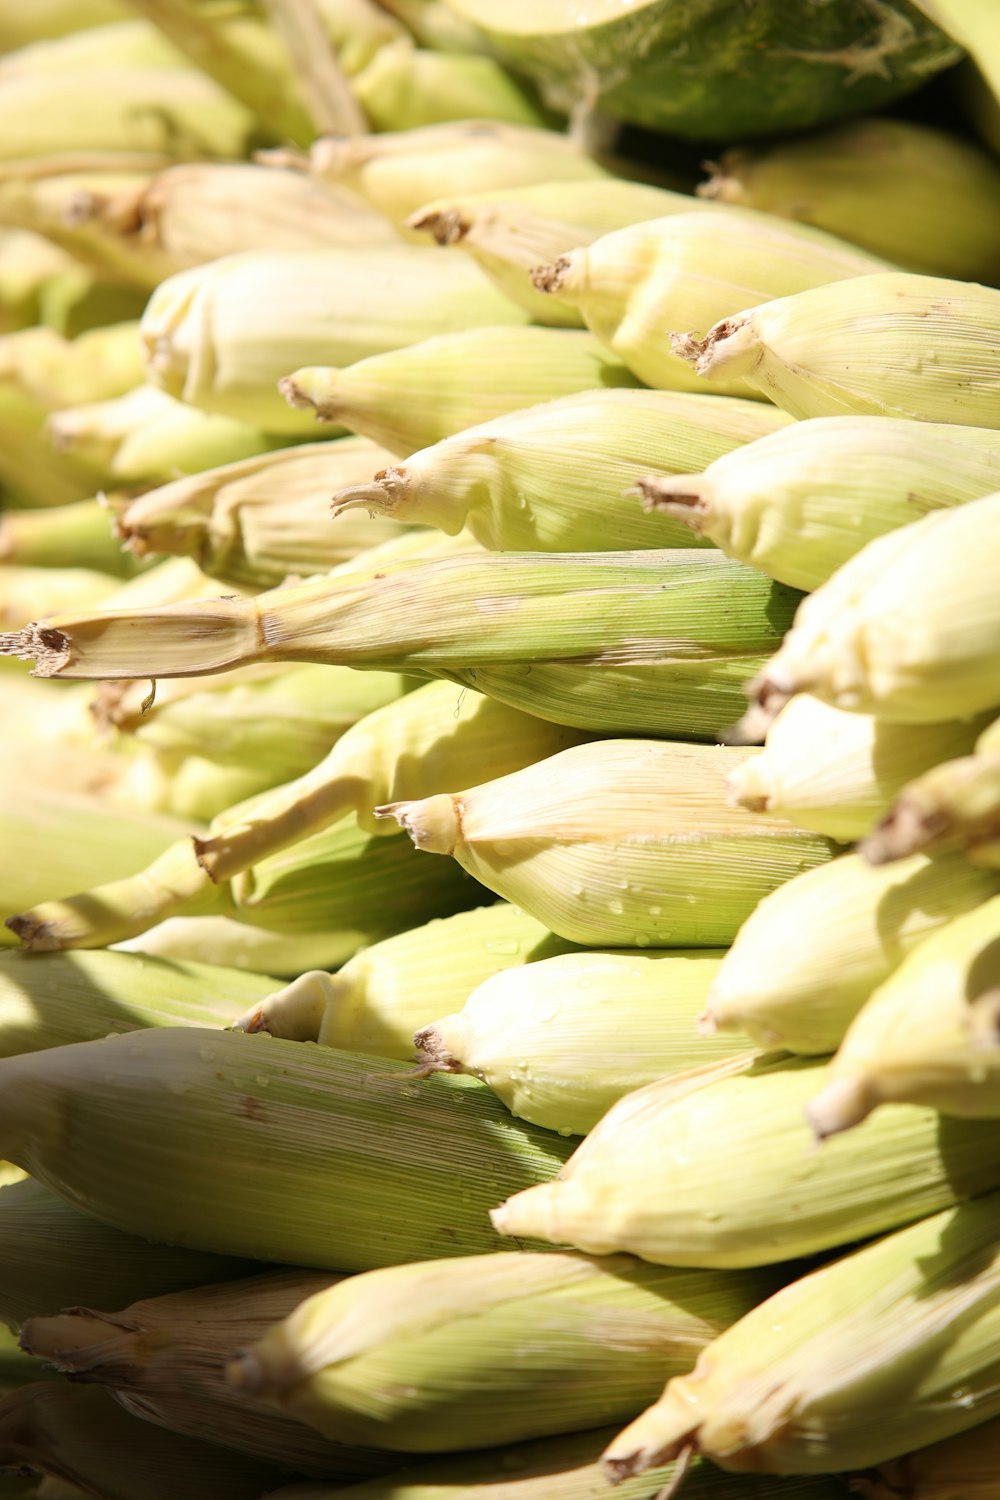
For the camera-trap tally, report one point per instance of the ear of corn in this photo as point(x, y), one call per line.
point(562, 1040)
point(315, 1154)
point(798, 503)
point(683, 1174)
point(466, 1334)
point(224, 940)
point(634, 283)
point(405, 87)
point(838, 772)
point(412, 397)
point(852, 1365)
point(806, 960)
point(921, 197)
point(891, 345)
point(77, 535)
point(164, 1358)
point(954, 805)
point(922, 1037)
point(554, 477)
point(53, 1256)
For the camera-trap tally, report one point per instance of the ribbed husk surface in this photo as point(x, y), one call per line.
point(557, 475)
point(715, 1170)
point(650, 642)
point(798, 503)
point(807, 959)
point(164, 1358)
point(52, 1256)
point(619, 843)
point(315, 1152)
point(564, 1039)
point(412, 397)
point(388, 991)
point(466, 1353)
point(851, 1365)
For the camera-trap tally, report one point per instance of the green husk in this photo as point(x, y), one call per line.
point(700, 1170)
point(66, 536)
point(404, 88)
point(315, 1152)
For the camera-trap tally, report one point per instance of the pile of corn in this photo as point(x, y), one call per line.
point(650, 1138)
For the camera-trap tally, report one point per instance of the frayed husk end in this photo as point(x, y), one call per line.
point(844, 1103)
point(749, 787)
point(434, 824)
point(554, 278)
point(665, 1431)
point(907, 828)
point(384, 496)
point(730, 347)
point(436, 1045)
point(47, 647)
point(302, 390)
point(446, 225)
point(684, 497)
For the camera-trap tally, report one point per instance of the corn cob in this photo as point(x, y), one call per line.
point(838, 772)
point(376, 1002)
point(849, 1366)
point(564, 1039)
point(618, 843)
point(553, 477)
point(921, 197)
point(806, 960)
point(466, 1333)
point(82, 1436)
point(399, 171)
point(314, 1147)
point(65, 536)
point(259, 520)
point(412, 397)
point(695, 1171)
point(964, 1465)
point(59, 999)
point(798, 503)
point(648, 642)
point(952, 806)
point(164, 1359)
point(147, 436)
point(405, 88)
point(919, 1038)
point(220, 336)
point(634, 283)
point(53, 1257)
point(883, 635)
point(891, 345)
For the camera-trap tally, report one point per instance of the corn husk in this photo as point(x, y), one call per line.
point(619, 843)
point(850, 1366)
point(405, 88)
point(804, 963)
point(30, 269)
point(838, 772)
point(926, 1036)
point(634, 283)
point(26, 591)
point(262, 519)
point(52, 18)
point(376, 1002)
point(164, 1359)
point(555, 476)
point(725, 1149)
point(64, 536)
point(564, 1039)
point(967, 1461)
point(798, 503)
point(892, 345)
point(920, 196)
point(883, 636)
point(119, 43)
point(397, 172)
point(221, 336)
point(52, 1256)
point(234, 944)
point(466, 1333)
point(412, 397)
point(648, 642)
point(312, 1147)
point(952, 806)
point(82, 1436)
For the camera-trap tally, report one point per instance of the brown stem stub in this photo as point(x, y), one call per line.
point(33, 934)
point(906, 829)
point(47, 647)
point(433, 1053)
point(445, 224)
point(550, 278)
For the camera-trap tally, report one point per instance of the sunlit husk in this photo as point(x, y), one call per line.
point(618, 843)
point(314, 1156)
point(838, 772)
point(892, 345)
point(405, 87)
point(234, 944)
point(635, 285)
point(797, 504)
point(164, 1358)
point(807, 959)
point(698, 1170)
point(854, 1364)
point(917, 195)
point(555, 476)
point(466, 1332)
point(412, 397)
point(953, 806)
point(222, 335)
point(884, 636)
point(564, 1039)
point(52, 18)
